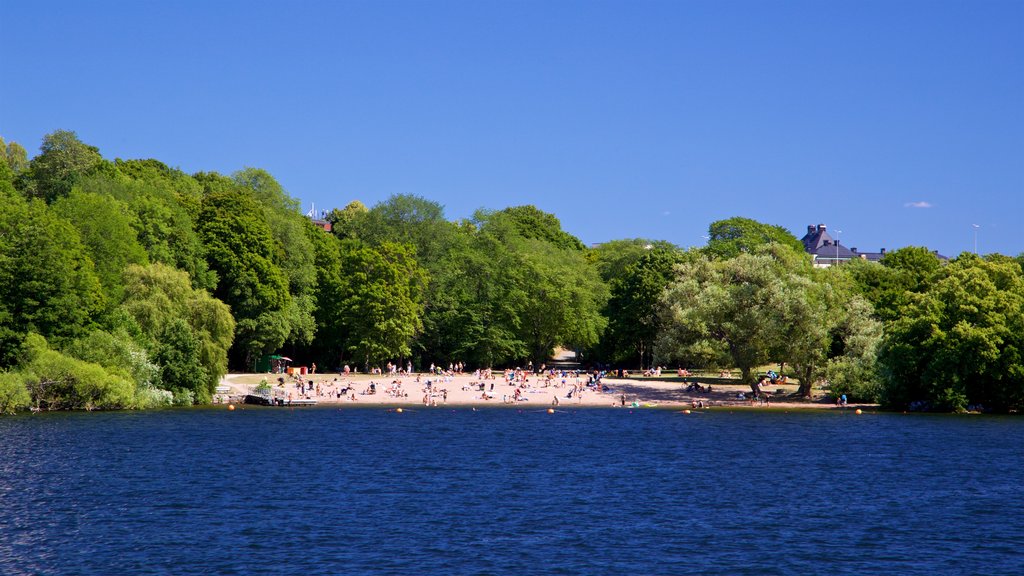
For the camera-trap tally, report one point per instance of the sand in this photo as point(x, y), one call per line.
point(464, 390)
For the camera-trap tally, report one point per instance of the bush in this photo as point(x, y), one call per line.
point(57, 381)
point(14, 395)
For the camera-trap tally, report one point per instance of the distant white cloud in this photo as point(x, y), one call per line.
point(921, 204)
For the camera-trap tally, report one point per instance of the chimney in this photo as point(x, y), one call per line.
point(810, 229)
point(821, 227)
point(883, 251)
point(854, 250)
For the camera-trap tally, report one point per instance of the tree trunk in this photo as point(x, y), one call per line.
point(745, 377)
point(806, 384)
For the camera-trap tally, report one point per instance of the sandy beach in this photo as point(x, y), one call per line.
point(465, 390)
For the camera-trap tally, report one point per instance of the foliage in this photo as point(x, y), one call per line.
point(178, 355)
point(531, 223)
point(240, 248)
point(633, 308)
point(14, 395)
point(62, 161)
point(107, 229)
point(47, 280)
point(163, 305)
point(724, 313)
point(734, 236)
point(960, 342)
point(294, 252)
point(381, 301)
point(59, 382)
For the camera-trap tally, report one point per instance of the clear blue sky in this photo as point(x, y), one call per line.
point(897, 122)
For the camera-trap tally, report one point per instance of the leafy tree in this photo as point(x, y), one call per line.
point(328, 346)
point(118, 353)
point(164, 205)
point(960, 342)
point(106, 228)
point(827, 330)
point(725, 313)
point(240, 248)
point(531, 223)
point(15, 156)
point(563, 300)
point(613, 257)
point(157, 296)
point(853, 363)
point(734, 236)
point(381, 300)
point(633, 311)
point(63, 159)
point(346, 223)
point(59, 382)
point(477, 297)
point(294, 254)
point(178, 356)
point(14, 395)
point(47, 281)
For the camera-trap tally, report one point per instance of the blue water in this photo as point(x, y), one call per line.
point(436, 491)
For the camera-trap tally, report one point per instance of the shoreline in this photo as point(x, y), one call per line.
point(463, 391)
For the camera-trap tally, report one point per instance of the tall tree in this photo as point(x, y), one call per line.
point(960, 342)
point(157, 296)
point(381, 301)
point(240, 249)
point(63, 159)
point(725, 313)
point(48, 283)
point(734, 236)
point(633, 311)
point(294, 252)
point(106, 228)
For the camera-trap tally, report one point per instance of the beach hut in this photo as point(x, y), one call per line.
point(272, 363)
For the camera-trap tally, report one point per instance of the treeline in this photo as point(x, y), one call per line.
point(127, 283)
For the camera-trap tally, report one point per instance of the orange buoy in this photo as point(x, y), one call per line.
point(858, 412)
point(399, 410)
point(231, 406)
point(686, 411)
point(551, 410)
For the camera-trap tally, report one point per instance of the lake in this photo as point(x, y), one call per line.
point(505, 491)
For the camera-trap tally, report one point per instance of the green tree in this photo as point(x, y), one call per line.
point(346, 223)
point(381, 301)
point(14, 395)
point(633, 310)
point(178, 356)
point(725, 313)
point(613, 257)
point(960, 342)
point(47, 281)
point(532, 223)
point(734, 236)
point(563, 300)
point(63, 159)
point(106, 228)
point(59, 382)
point(240, 248)
point(157, 296)
point(294, 252)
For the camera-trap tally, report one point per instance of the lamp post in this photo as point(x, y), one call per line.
point(975, 226)
point(838, 232)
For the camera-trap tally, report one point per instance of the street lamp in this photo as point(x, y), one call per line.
point(975, 226)
point(838, 232)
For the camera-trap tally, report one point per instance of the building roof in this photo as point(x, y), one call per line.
point(825, 250)
point(819, 243)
